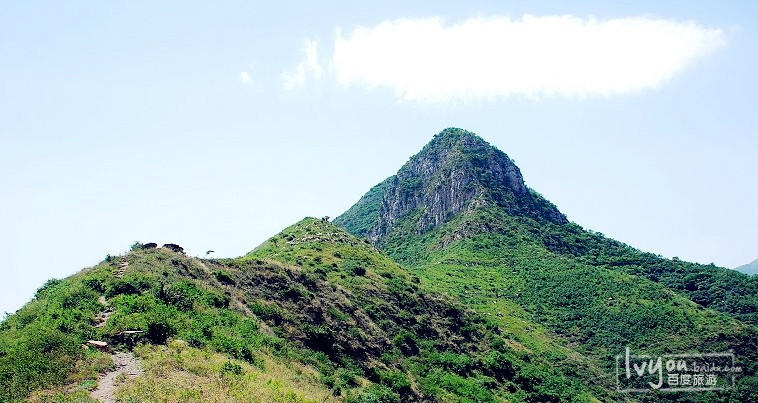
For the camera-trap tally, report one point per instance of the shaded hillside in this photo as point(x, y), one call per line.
point(459, 216)
point(444, 350)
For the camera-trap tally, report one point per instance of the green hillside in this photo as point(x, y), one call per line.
point(313, 314)
point(503, 245)
point(451, 281)
point(446, 351)
point(167, 296)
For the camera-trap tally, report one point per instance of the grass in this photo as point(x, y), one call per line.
point(177, 372)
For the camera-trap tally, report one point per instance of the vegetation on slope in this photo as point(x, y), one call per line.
point(713, 287)
point(599, 295)
point(314, 310)
point(362, 215)
point(491, 263)
point(163, 294)
point(432, 344)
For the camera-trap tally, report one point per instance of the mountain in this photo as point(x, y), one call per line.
point(449, 281)
point(313, 314)
point(459, 216)
point(750, 268)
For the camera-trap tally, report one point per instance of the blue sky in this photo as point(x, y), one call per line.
point(216, 125)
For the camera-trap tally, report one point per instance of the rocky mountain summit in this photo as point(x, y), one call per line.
point(454, 172)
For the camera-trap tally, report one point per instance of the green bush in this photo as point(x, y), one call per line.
point(267, 312)
point(232, 368)
point(181, 295)
point(223, 277)
point(49, 284)
point(41, 356)
point(396, 381)
point(499, 365)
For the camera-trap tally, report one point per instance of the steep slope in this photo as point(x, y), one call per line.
point(443, 350)
point(750, 268)
point(459, 216)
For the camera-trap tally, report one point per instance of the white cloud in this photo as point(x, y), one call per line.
point(308, 66)
point(245, 78)
point(497, 57)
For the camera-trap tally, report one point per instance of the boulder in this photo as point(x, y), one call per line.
point(173, 247)
point(100, 345)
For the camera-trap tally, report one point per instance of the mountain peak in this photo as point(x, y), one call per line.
point(457, 171)
point(464, 150)
point(453, 135)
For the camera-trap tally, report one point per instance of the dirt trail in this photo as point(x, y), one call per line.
point(102, 317)
point(125, 363)
point(122, 265)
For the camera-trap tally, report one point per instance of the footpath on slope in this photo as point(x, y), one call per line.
point(125, 363)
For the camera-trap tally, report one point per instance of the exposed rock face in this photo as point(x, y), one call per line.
point(456, 171)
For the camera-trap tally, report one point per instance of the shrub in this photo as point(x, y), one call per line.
point(406, 342)
point(159, 332)
point(182, 295)
point(231, 368)
point(49, 284)
point(216, 300)
point(223, 277)
point(396, 381)
point(95, 284)
point(294, 293)
point(499, 365)
point(41, 357)
point(269, 312)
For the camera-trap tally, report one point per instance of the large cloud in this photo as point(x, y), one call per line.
point(496, 57)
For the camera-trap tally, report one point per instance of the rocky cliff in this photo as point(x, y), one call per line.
point(454, 173)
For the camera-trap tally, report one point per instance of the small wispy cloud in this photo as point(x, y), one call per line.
point(308, 66)
point(428, 60)
point(245, 78)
